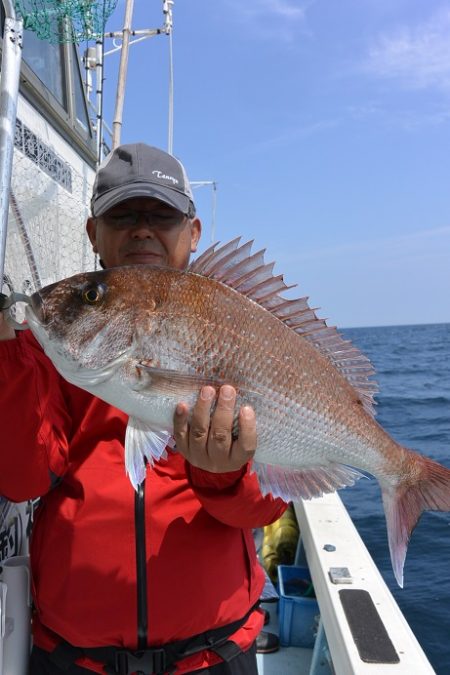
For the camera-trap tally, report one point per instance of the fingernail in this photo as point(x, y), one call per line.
point(179, 409)
point(207, 393)
point(247, 412)
point(227, 392)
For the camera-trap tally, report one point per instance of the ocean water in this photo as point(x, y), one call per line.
point(413, 372)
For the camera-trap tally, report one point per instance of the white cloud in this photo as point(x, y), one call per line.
point(279, 19)
point(285, 9)
point(418, 56)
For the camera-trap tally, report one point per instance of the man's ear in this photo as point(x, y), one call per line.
point(196, 231)
point(91, 229)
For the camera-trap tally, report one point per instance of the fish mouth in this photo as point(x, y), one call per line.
point(34, 311)
point(34, 317)
point(37, 307)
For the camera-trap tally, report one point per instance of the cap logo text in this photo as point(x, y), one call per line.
point(160, 174)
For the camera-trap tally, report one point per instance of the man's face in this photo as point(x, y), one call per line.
point(144, 231)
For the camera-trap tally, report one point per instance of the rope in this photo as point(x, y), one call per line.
point(170, 120)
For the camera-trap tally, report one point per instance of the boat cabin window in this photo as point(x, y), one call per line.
point(51, 79)
point(47, 62)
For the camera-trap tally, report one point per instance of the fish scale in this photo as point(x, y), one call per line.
point(284, 386)
point(273, 419)
point(144, 338)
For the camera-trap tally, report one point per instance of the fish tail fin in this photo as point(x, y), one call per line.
point(425, 487)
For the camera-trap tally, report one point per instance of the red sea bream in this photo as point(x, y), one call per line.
point(145, 338)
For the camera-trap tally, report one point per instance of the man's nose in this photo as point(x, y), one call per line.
point(142, 229)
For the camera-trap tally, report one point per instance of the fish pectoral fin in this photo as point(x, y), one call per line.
point(143, 444)
point(172, 381)
point(293, 484)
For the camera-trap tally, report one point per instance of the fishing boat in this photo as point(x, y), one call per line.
point(52, 136)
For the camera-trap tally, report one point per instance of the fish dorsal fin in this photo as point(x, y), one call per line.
point(234, 265)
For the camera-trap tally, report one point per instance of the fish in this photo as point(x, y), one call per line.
point(143, 338)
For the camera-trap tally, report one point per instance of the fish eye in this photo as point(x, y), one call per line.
point(93, 294)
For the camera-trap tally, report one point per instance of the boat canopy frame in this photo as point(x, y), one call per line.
point(9, 92)
point(68, 113)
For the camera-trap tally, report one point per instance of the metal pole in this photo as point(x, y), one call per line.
point(9, 90)
point(99, 97)
point(118, 113)
point(202, 183)
point(26, 241)
point(214, 206)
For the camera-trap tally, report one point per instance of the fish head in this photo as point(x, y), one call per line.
point(87, 323)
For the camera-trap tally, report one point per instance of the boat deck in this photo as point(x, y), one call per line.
point(287, 660)
point(345, 578)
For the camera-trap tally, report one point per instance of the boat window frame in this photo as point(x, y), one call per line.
point(42, 98)
point(54, 72)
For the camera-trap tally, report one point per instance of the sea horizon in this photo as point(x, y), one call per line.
point(397, 325)
point(412, 370)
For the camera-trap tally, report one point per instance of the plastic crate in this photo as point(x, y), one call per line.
point(298, 614)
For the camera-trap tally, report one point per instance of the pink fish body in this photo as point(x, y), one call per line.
point(144, 338)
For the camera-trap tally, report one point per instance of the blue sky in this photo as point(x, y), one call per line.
point(326, 127)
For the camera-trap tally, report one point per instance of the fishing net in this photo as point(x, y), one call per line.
point(46, 238)
point(65, 20)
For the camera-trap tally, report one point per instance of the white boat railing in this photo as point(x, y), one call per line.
point(333, 550)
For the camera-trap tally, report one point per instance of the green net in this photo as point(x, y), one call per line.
point(65, 20)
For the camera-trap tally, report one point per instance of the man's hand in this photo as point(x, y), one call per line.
point(207, 441)
point(6, 331)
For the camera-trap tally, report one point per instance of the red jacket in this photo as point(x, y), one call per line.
point(60, 442)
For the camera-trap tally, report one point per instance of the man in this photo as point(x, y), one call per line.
point(160, 580)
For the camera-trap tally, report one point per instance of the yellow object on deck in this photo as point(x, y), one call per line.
point(280, 542)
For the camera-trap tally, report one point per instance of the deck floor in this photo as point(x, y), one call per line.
point(287, 660)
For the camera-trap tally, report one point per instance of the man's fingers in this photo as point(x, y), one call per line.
point(199, 427)
point(245, 445)
point(206, 440)
point(181, 427)
point(222, 421)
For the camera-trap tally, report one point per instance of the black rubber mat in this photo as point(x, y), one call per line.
point(370, 636)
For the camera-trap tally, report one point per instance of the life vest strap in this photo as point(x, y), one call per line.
point(156, 660)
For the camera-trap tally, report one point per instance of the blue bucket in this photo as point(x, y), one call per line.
point(298, 608)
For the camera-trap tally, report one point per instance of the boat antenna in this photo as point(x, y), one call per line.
point(123, 66)
point(122, 41)
point(100, 78)
point(167, 9)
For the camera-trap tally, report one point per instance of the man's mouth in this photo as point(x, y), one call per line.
point(143, 256)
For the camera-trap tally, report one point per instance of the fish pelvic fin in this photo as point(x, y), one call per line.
point(425, 487)
point(143, 445)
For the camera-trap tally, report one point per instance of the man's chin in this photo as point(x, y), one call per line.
point(142, 258)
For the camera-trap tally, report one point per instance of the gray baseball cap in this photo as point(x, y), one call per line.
point(140, 170)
